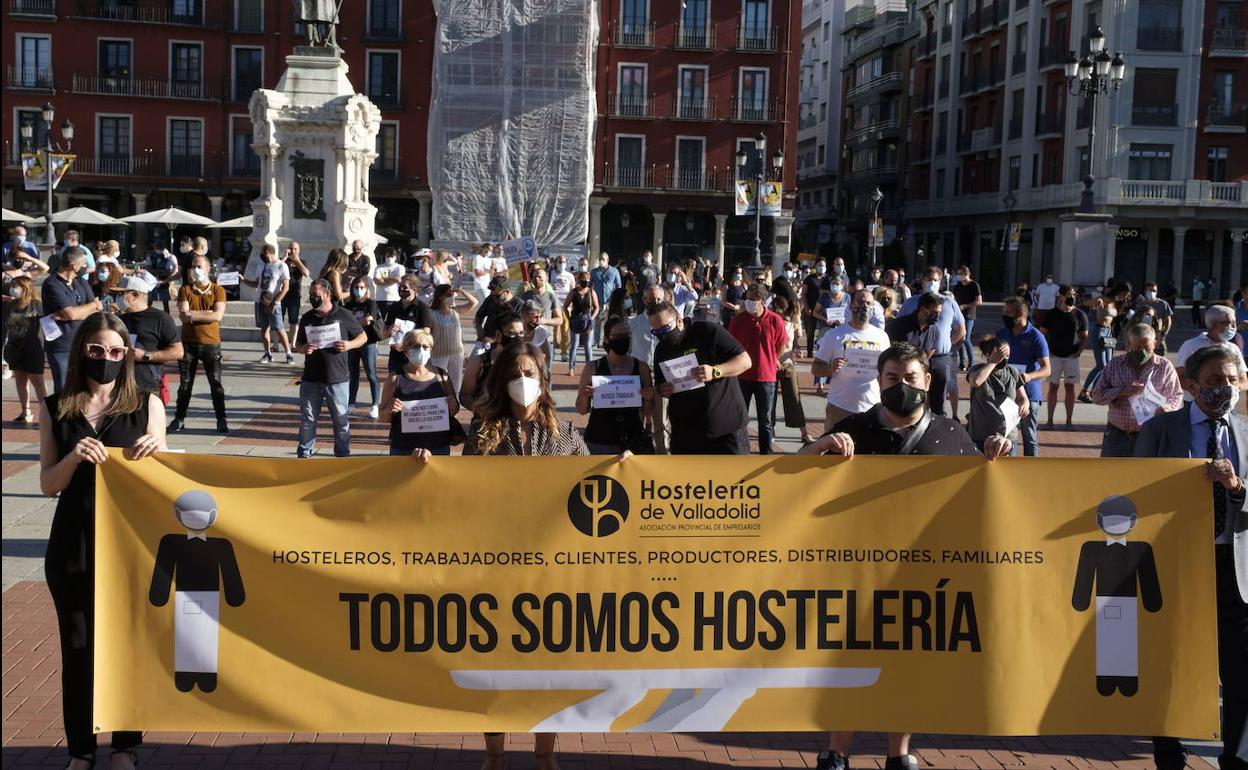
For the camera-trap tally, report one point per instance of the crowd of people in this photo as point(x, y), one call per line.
point(672, 357)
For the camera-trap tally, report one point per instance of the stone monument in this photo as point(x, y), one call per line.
point(316, 138)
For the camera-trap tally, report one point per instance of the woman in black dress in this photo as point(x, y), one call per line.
point(23, 348)
point(100, 406)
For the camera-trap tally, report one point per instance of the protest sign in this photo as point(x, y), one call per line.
point(679, 373)
point(616, 391)
point(425, 415)
point(323, 335)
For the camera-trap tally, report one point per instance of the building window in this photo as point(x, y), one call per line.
point(243, 158)
point(185, 11)
point(940, 183)
point(1035, 170)
point(248, 15)
point(753, 95)
point(34, 65)
point(1016, 171)
point(387, 164)
point(115, 66)
point(756, 25)
point(186, 147)
point(248, 72)
point(34, 119)
point(1154, 103)
point(1229, 15)
point(690, 153)
point(822, 153)
point(1217, 160)
point(1160, 25)
point(694, 30)
point(630, 160)
point(185, 71)
point(1149, 162)
point(1223, 94)
point(383, 78)
point(384, 21)
point(632, 90)
point(635, 22)
point(113, 142)
point(691, 101)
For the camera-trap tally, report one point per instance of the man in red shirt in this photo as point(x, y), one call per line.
point(763, 335)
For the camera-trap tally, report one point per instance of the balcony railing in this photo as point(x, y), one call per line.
point(32, 7)
point(147, 12)
point(667, 178)
point(751, 38)
point(892, 125)
point(980, 139)
point(942, 142)
point(145, 88)
point(881, 171)
point(1154, 114)
point(241, 90)
point(694, 109)
point(698, 38)
point(1001, 11)
point(30, 78)
point(387, 101)
point(886, 35)
point(634, 34)
point(1227, 115)
point(629, 176)
point(753, 110)
point(1230, 40)
point(1049, 123)
point(630, 105)
point(186, 165)
point(1153, 191)
point(1159, 39)
point(249, 166)
point(114, 165)
point(1018, 63)
point(889, 80)
point(1052, 55)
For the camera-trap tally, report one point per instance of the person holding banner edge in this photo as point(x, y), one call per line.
point(418, 382)
point(612, 430)
point(100, 406)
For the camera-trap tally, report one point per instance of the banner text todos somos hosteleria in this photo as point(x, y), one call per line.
point(660, 594)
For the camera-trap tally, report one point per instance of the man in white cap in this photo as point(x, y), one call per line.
point(154, 336)
point(199, 568)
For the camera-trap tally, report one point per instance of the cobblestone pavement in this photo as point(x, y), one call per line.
point(262, 408)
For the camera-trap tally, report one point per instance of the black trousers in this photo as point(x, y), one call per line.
point(193, 354)
point(810, 325)
point(940, 366)
point(731, 444)
point(74, 599)
point(1169, 753)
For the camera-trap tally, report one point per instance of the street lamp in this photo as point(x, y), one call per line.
point(877, 232)
point(1010, 200)
point(777, 162)
point(67, 131)
point(1094, 74)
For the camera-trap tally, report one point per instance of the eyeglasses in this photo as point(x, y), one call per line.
point(98, 351)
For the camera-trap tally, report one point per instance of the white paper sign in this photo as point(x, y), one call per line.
point(50, 330)
point(401, 327)
point(1009, 410)
point(836, 315)
point(519, 250)
point(324, 336)
point(616, 392)
point(1144, 405)
point(679, 373)
point(228, 279)
point(862, 363)
point(426, 415)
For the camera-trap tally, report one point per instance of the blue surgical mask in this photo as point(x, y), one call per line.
point(358, 292)
point(1227, 334)
point(663, 331)
point(933, 286)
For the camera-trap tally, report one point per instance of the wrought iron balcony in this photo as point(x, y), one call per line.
point(1159, 39)
point(242, 89)
point(684, 108)
point(118, 84)
point(1223, 115)
point(754, 110)
point(30, 78)
point(751, 38)
point(32, 8)
point(889, 81)
point(1049, 123)
point(185, 12)
point(1154, 114)
point(694, 37)
point(1019, 63)
point(1230, 40)
point(1052, 55)
point(630, 105)
point(634, 34)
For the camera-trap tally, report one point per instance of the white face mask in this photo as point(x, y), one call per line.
point(419, 356)
point(1116, 525)
point(751, 306)
point(196, 520)
point(1048, 281)
point(524, 390)
point(15, 292)
point(201, 275)
point(933, 286)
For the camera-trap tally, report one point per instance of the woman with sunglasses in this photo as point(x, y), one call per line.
point(100, 406)
point(419, 381)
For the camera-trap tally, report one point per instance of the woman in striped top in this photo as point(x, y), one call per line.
point(448, 336)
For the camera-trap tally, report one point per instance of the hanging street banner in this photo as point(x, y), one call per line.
point(875, 235)
point(35, 170)
point(1015, 235)
point(772, 195)
point(934, 595)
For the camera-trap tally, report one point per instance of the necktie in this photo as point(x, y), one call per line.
point(1219, 494)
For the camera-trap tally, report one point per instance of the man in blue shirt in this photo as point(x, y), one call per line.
point(950, 330)
point(604, 279)
point(69, 300)
point(18, 242)
point(1029, 354)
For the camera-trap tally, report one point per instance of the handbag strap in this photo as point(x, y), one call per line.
point(916, 435)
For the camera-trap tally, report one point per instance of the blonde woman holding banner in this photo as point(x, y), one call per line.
point(427, 395)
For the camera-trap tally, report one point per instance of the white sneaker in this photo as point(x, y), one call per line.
point(290, 357)
point(266, 359)
point(372, 413)
point(8, 373)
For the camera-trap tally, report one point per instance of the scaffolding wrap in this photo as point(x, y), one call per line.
point(512, 123)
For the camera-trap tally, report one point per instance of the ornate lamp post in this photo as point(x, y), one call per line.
point(777, 162)
point(67, 131)
point(1094, 74)
point(877, 232)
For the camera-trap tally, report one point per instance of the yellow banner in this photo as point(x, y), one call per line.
point(944, 595)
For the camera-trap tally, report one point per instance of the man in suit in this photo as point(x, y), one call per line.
point(1208, 427)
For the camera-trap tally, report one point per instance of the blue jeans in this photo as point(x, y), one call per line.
point(1118, 443)
point(966, 349)
point(367, 354)
point(580, 340)
point(58, 364)
point(1028, 428)
point(1101, 355)
point(311, 396)
point(764, 395)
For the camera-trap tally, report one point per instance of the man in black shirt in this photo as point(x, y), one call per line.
point(813, 285)
point(969, 297)
point(707, 411)
point(1066, 330)
point(500, 302)
point(325, 371)
point(901, 424)
point(408, 308)
point(156, 339)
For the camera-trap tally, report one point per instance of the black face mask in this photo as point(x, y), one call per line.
point(619, 345)
point(102, 370)
point(508, 339)
point(405, 293)
point(903, 398)
point(1070, 302)
point(1007, 321)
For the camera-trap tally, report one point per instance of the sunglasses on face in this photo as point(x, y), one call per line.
point(97, 351)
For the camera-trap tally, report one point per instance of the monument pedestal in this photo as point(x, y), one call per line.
point(1086, 245)
point(316, 139)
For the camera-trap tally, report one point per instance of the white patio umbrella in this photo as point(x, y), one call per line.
point(79, 215)
point(12, 216)
point(238, 223)
point(170, 217)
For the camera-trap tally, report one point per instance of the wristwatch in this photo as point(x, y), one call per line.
point(716, 373)
point(147, 359)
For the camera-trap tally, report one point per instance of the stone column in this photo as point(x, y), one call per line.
point(1176, 269)
point(215, 202)
point(1111, 249)
point(1150, 254)
point(657, 248)
point(594, 244)
point(1237, 256)
point(1218, 235)
point(139, 249)
point(782, 228)
point(720, 221)
point(425, 199)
